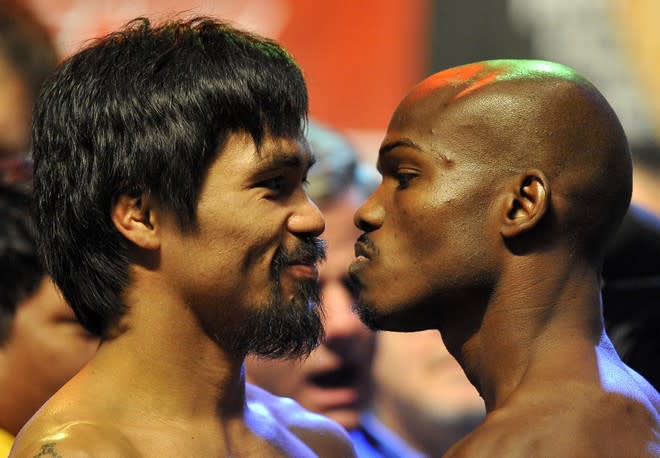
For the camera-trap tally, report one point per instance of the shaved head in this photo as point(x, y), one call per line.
point(512, 116)
point(483, 164)
point(503, 182)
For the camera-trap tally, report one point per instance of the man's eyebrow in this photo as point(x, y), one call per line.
point(405, 142)
point(387, 147)
point(292, 159)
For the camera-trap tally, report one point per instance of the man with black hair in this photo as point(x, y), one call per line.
point(169, 172)
point(503, 183)
point(42, 345)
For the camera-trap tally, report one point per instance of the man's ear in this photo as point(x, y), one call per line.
point(136, 219)
point(527, 201)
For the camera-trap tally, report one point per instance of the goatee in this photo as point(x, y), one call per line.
point(287, 328)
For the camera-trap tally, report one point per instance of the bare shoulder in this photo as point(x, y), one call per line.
point(323, 436)
point(603, 426)
point(72, 440)
point(625, 419)
point(632, 385)
point(629, 403)
point(504, 433)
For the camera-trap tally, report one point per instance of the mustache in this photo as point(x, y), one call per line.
point(311, 250)
point(366, 241)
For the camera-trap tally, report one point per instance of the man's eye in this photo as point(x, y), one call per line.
point(274, 184)
point(278, 187)
point(404, 179)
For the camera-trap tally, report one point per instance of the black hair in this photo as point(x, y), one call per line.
point(144, 111)
point(21, 271)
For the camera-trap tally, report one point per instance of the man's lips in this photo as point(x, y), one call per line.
point(361, 250)
point(303, 268)
point(364, 253)
point(364, 248)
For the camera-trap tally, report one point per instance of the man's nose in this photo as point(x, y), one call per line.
point(370, 215)
point(307, 219)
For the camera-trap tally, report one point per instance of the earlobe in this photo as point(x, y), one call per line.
point(526, 203)
point(136, 219)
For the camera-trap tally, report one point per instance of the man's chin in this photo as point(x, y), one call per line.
point(304, 293)
point(286, 329)
point(368, 315)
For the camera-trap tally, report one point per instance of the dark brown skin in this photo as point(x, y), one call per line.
point(502, 183)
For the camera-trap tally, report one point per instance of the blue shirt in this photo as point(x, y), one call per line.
point(372, 439)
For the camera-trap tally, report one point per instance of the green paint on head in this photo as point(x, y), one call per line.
point(512, 69)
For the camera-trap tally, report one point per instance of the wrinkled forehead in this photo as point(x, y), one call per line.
point(434, 96)
point(443, 119)
point(431, 116)
point(271, 145)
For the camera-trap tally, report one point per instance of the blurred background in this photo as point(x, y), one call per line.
point(361, 57)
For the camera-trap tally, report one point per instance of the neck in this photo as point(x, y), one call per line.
point(535, 324)
point(171, 366)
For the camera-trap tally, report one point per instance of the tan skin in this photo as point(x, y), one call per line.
point(502, 182)
point(47, 346)
point(181, 393)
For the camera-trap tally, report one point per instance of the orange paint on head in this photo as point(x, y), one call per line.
point(464, 72)
point(451, 77)
point(478, 84)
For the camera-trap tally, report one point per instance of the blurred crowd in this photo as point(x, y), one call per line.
point(398, 395)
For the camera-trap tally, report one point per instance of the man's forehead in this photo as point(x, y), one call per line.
point(444, 129)
point(426, 102)
point(292, 151)
point(458, 96)
point(421, 116)
point(446, 85)
point(475, 108)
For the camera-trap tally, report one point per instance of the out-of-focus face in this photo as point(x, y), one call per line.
point(335, 379)
point(424, 249)
point(429, 382)
point(15, 113)
point(46, 347)
point(249, 268)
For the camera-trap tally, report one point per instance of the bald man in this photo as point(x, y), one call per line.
point(503, 182)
